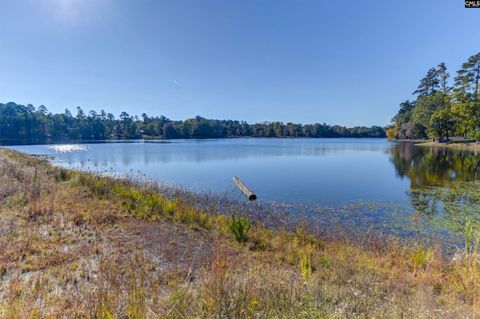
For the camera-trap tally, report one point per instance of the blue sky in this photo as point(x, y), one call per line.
point(340, 62)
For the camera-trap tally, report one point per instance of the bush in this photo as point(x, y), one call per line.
point(62, 175)
point(239, 228)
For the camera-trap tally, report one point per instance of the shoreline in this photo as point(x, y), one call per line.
point(456, 145)
point(107, 248)
point(468, 145)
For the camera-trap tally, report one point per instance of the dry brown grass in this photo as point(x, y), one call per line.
point(74, 245)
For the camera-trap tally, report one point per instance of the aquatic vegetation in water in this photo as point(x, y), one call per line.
point(450, 206)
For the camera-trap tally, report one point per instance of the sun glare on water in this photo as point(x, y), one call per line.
point(67, 148)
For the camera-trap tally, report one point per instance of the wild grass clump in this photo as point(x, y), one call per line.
point(239, 227)
point(306, 263)
point(63, 175)
point(472, 238)
point(420, 257)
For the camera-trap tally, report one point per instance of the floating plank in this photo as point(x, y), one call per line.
point(245, 190)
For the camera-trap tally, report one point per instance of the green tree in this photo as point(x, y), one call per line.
point(442, 124)
point(468, 119)
point(424, 109)
point(429, 84)
point(467, 80)
point(25, 122)
point(443, 76)
point(466, 93)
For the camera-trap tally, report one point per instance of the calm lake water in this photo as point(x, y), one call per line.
point(325, 171)
point(332, 172)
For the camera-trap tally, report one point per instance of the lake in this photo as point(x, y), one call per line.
point(326, 172)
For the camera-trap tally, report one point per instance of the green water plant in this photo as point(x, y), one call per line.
point(472, 238)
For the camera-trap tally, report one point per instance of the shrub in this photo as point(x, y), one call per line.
point(62, 175)
point(239, 228)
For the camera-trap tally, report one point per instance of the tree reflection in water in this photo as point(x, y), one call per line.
point(434, 166)
point(444, 186)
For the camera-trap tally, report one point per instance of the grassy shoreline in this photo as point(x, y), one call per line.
point(80, 245)
point(461, 145)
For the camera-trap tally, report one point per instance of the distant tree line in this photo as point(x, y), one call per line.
point(439, 110)
point(27, 122)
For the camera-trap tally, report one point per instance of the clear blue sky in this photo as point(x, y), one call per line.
point(345, 62)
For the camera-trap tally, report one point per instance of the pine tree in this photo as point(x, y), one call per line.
point(467, 80)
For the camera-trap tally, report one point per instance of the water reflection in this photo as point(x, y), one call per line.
point(444, 190)
point(433, 166)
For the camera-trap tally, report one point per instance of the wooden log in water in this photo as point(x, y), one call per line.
point(245, 190)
